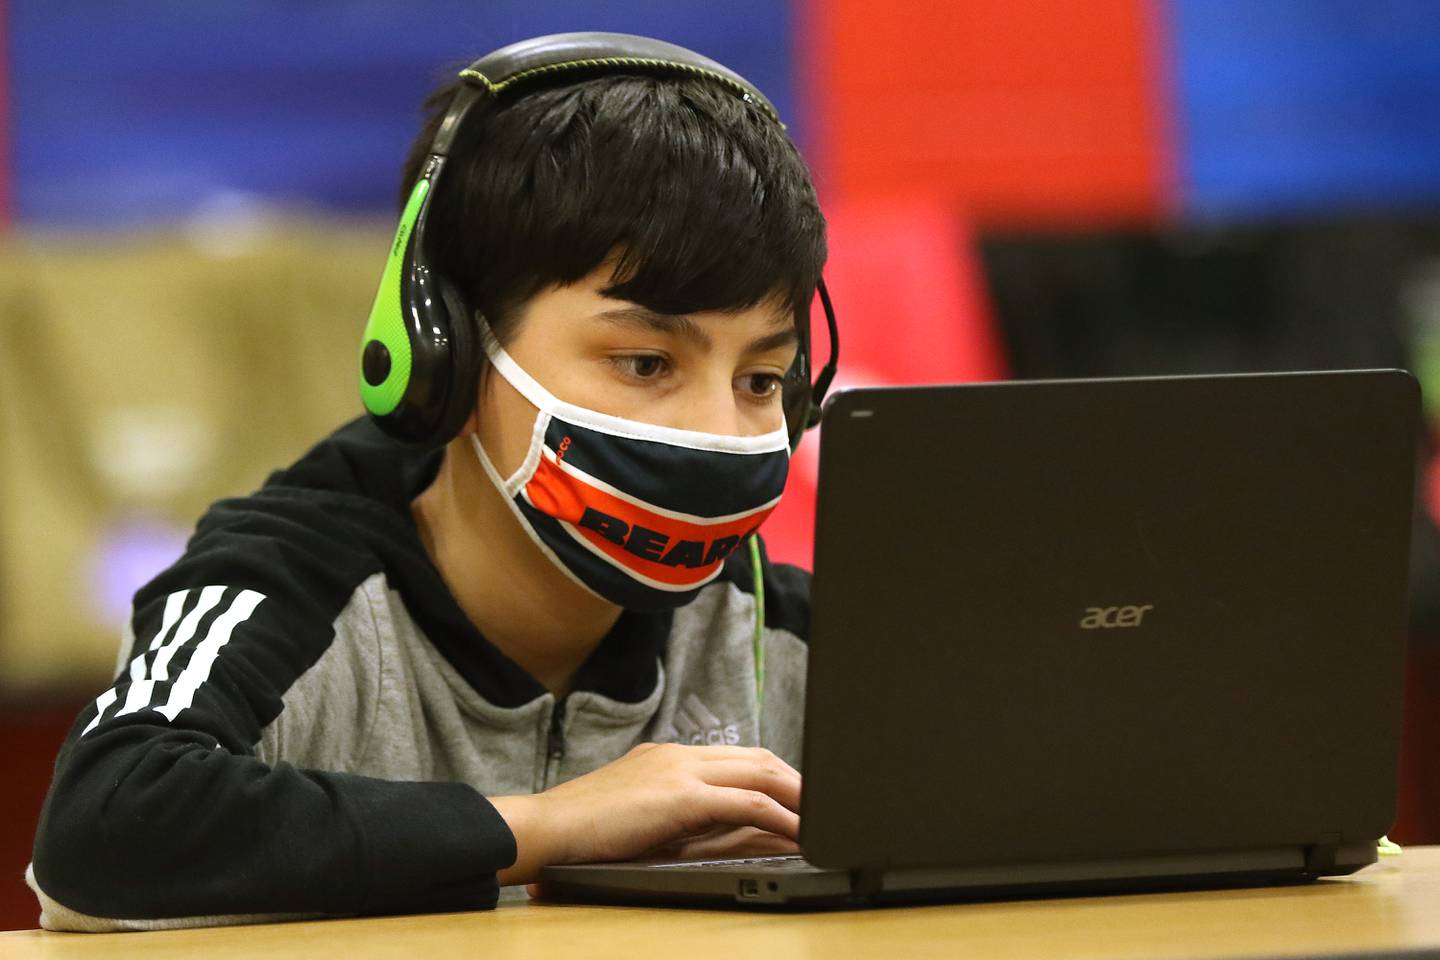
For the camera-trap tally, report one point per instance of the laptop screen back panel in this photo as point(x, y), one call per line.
point(1107, 618)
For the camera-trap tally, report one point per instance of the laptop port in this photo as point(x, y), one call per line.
point(749, 888)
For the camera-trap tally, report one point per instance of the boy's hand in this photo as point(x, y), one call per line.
point(724, 843)
point(658, 800)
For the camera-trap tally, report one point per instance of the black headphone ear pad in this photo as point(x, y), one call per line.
point(464, 360)
point(796, 392)
point(795, 400)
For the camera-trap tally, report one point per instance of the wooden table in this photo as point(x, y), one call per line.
point(1393, 905)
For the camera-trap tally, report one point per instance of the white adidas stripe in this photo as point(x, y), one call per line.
point(174, 603)
point(198, 669)
point(143, 686)
point(102, 703)
point(209, 600)
point(143, 680)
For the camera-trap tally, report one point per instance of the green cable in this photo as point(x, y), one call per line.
point(1386, 847)
point(759, 628)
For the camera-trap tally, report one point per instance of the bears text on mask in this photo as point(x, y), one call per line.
point(654, 545)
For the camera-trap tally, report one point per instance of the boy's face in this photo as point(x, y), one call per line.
point(712, 372)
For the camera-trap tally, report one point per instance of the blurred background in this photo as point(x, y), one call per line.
point(196, 200)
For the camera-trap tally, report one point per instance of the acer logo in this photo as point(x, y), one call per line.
point(1097, 618)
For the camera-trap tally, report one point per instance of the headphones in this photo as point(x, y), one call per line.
point(420, 357)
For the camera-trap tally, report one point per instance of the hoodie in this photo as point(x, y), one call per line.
point(305, 724)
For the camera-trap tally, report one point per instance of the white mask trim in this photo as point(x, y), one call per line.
point(517, 480)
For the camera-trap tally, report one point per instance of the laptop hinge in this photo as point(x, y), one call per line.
point(1320, 855)
point(867, 881)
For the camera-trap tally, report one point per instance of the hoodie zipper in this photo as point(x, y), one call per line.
point(555, 742)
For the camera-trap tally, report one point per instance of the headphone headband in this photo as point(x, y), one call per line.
point(540, 59)
point(564, 53)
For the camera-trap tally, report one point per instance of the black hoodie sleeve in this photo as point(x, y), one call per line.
point(159, 807)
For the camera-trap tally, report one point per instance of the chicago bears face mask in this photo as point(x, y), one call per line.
point(638, 514)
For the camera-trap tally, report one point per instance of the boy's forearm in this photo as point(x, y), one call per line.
point(170, 826)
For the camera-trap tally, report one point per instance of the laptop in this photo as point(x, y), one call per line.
point(1076, 636)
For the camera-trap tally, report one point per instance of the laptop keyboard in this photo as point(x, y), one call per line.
point(791, 862)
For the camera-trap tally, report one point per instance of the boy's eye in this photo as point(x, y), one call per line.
point(641, 367)
point(760, 385)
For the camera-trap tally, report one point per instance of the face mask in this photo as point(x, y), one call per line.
point(641, 515)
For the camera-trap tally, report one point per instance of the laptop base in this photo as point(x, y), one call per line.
point(803, 886)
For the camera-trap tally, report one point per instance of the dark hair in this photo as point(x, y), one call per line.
point(704, 197)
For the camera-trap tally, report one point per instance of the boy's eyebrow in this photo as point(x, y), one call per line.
point(774, 341)
point(648, 319)
point(682, 326)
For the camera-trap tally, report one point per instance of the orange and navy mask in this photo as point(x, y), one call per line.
point(639, 514)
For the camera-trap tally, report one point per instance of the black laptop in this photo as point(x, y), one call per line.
point(1092, 635)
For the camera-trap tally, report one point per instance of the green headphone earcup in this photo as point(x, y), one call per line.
point(385, 349)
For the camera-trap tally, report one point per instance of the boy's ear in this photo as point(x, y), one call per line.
point(472, 422)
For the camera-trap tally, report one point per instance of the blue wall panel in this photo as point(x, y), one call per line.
point(1298, 107)
point(125, 114)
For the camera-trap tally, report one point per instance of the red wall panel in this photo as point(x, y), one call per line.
point(1023, 110)
point(30, 737)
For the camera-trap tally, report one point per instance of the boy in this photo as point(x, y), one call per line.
point(392, 679)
